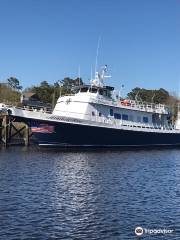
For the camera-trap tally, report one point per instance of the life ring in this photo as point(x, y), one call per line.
point(125, 102)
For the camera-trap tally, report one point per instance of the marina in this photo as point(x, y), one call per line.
point(89, 120)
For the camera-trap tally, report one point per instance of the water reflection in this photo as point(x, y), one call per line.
point(90, 195)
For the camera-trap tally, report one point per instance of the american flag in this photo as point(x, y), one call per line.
point(43, 129)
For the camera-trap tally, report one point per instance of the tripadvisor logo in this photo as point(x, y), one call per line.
point(139, 231)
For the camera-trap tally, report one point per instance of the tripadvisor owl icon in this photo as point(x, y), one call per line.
point(138, 231)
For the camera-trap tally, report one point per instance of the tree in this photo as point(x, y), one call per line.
point(44, 91)
point(9, 95)
point(68, 84)
point(14, 83)
point(49, 93)
point(151, 96)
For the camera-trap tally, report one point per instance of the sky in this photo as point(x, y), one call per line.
point(51, 39)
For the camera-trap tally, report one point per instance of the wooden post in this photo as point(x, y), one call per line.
point(0, 128)
point(12, 133)
point(10, 129)
point(5, 130)
point(26, 138)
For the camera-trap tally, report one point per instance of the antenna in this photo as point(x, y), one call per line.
point(79, 73)
point(121, 89)
point(136, 96)
point(97, 53)
point(91, 73)
point(152, 99)
point(179, 89)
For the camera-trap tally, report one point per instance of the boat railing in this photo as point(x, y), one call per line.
point(31, 109)
point(110, 121)
point(132, 124)
point(160, 108)
point(120, 122)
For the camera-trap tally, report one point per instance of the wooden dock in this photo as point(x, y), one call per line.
point(13, 131)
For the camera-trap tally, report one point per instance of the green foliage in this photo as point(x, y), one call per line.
point(9, 95)
point(9, 92)
point(44, 91)
point(67, 85)
point(14, 83)
point(150, 96)
point(49, 93)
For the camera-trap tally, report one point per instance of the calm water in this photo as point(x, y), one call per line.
point(88, 195)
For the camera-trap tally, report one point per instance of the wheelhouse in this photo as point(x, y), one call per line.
point(105, 91)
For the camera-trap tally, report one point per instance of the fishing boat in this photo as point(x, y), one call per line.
point(93, 116)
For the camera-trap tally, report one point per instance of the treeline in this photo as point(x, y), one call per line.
point(49, 93)
point(10, 92)
point(160, 96)
point(152, 96)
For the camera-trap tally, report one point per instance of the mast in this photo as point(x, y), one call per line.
point(97, 53)
point(98, 81)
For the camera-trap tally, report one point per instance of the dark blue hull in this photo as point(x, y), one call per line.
point(69, 134)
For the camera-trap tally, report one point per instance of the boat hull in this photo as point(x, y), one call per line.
point(64, 134)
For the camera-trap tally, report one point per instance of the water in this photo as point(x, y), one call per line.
point(88, 195)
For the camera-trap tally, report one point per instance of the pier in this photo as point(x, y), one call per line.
point(14, 131)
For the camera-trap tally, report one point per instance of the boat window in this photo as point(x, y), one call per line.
point(105, 92)
point(101, 91)
point(100, 114)
point(138, 118)
point(125, 117)
point(145, 119)
point(93, 114)
point(109, 94)
point(93, 90)
point(117, 116)
point(130, 117)
point(111, 112)
point(85, 89)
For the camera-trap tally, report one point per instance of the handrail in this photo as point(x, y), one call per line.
point(42, 110)
point(112, 121)
point(144, 106)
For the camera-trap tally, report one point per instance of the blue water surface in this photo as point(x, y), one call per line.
point(51, 194)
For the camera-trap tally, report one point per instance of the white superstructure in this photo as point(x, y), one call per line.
point(97, 102)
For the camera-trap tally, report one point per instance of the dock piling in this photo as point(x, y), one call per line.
point(14, 131)
point(26, 138)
